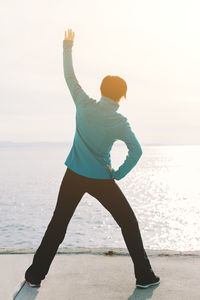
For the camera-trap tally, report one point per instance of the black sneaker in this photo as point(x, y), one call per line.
point(32, 281)
point(151, 280)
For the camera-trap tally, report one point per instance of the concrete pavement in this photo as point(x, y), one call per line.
point(93, 274)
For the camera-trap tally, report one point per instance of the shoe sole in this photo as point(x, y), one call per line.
point(147, 285)
point(32, 285)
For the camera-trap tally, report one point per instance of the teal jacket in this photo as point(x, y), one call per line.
point(99, 125)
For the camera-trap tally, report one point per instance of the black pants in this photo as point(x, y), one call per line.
point(73, 187)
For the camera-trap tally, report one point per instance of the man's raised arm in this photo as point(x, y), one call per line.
point(79, 96)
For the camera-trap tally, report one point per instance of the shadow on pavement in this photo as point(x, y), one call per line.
point(24, 292)
point(143, 294)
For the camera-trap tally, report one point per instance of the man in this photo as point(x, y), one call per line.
point(98, 126)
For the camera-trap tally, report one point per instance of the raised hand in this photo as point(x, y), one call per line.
point(70, 36)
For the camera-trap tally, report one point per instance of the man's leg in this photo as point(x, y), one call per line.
point(70, 193)
point(111, 197)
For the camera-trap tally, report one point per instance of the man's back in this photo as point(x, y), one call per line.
point(99, 126)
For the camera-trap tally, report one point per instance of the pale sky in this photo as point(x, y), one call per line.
point(153, 44)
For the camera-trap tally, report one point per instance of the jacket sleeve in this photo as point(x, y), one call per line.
point(78, 95)
point(134, 151)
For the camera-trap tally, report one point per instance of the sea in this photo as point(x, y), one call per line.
point(163, 190)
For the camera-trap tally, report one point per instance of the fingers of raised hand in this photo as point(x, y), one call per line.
point(70, 35)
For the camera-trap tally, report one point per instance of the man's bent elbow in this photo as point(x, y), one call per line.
point(140, 152)
point(136, 154)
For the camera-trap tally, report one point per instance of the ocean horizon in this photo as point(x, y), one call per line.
point(15, 143)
